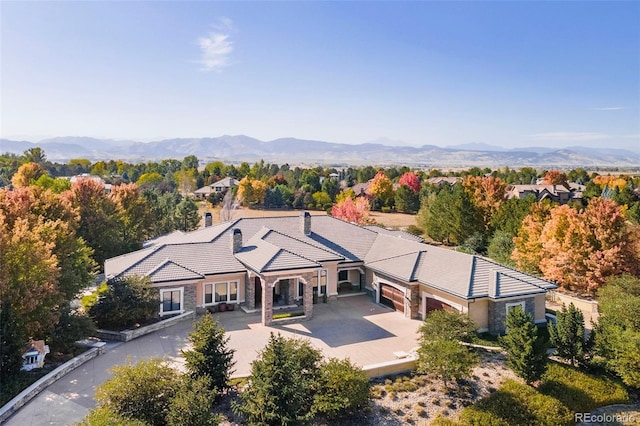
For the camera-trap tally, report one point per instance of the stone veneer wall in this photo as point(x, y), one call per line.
point(250, 291)
point(498, 312)
point(190, 301)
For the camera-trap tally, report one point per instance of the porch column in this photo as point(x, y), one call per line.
point(293, 291)
point(250, 293)
point(308, 296)
point(267, 303)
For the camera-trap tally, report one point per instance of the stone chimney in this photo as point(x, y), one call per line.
point(305, 223)
point(236, 240)
point(208, 219)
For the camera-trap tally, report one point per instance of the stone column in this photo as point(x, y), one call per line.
point(267, 303)
point(250, 291)
point(293, 292)
point(413, 293)
point(308, 295)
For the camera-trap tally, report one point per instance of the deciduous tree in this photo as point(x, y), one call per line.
point(486, 194)
point(27, 174)
point(381, 187)
point(410, 180)
point(528, 250)
point(352, 211)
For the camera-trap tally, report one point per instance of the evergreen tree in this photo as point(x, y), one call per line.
point(282, 384)
point(568, 335)
point(210, 355)
point(186, 216)
point(526, 351)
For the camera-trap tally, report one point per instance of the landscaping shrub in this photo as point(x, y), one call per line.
point(126, 302)
point(102, 416)
point(143, 391)
point(342, 387)
point(191, 405)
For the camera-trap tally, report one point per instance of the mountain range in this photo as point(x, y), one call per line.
point(298, 151)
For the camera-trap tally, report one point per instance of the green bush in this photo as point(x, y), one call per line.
point(191, 405)
point(102, 416)
point(143, 391)
point(342, 387)
point(89, 300)
point(582, 392)
point(127, 301)
point(71, 327)
point(288, 315)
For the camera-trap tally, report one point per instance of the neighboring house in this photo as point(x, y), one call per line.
point(107, 186)
point(557, 193)
point(265, 263)
point(441, 180)
point(360, 189)
point(33, 355)
point(217, 187)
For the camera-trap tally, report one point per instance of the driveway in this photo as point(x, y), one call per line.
point(352, 327)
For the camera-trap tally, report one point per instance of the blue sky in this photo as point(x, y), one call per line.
point(513, 74)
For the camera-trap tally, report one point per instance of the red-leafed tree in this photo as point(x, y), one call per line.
point(352, 211)
point(411, 181)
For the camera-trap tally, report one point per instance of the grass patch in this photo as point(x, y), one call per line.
point(288, 315)
point(486, 339)
point(565, 390)
point(582, 392)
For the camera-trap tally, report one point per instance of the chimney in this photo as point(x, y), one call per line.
point(236, 240)
point(305, 223)
point(208, 219)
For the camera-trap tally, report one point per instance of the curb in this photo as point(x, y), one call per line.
point(32, 391)
point(128, 335)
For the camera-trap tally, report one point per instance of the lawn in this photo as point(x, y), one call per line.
point(564, 391)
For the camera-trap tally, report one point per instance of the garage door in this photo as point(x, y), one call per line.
point(392, 297)
point(435, 305)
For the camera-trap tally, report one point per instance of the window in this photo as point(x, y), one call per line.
point(300, 289)
point(513, 305)
point(343, 275)
point(220, 292)
point(171, 300)
point(323, 282)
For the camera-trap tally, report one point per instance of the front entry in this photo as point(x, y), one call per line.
point(258, 286)
point(392, 297)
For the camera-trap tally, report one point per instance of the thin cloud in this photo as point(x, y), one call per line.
point(569, 136)
point(216, 47)
point(617, 108)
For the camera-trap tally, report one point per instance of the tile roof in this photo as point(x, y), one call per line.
point(279, 243)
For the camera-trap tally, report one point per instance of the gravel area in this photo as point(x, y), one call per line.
point(416, 400)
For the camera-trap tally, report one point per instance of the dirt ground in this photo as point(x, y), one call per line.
point(388, 220)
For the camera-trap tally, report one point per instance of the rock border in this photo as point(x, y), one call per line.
point(128, 335)
point(32, 391)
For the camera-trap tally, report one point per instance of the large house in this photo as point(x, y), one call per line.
point(266, 263)
point(557, 193)
point(220, 186)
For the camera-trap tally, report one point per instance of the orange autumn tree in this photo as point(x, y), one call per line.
point(352, 211)
point(381, 187)
point(555, 177)
point(578, 249)
point(27, 174)
point(528, 251)
point(486, 193)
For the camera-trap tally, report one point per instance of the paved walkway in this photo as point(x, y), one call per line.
point(352, 327)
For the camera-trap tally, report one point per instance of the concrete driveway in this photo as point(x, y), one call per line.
point(351, 327)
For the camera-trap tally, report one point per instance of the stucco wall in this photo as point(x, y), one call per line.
point(199, 287)
point(479, 313)
point(539, 308)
